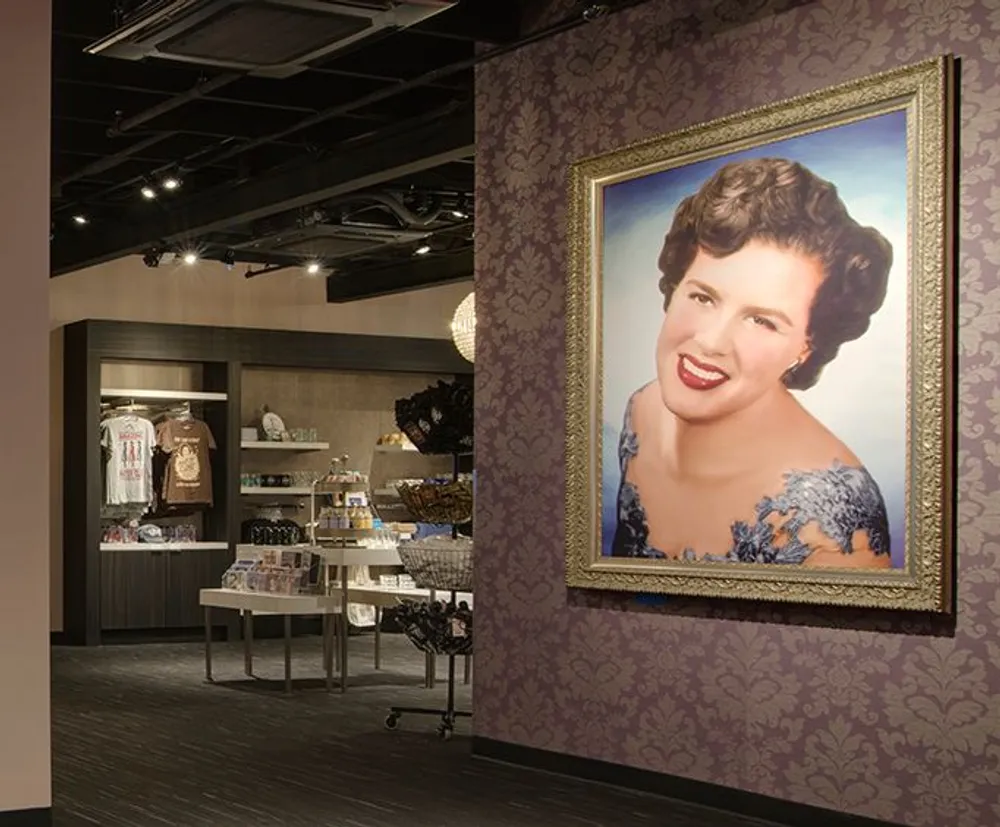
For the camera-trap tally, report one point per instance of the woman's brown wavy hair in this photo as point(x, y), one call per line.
point(783, 203)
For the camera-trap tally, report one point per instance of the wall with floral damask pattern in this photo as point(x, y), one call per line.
point(896, 719)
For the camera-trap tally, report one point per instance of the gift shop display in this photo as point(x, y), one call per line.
point(439, 420)
point(186, 443)
point(157, 466)
point(128, 441)
point(183, 443)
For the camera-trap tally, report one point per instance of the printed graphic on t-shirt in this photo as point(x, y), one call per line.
point(129, 442)
point(188, 477)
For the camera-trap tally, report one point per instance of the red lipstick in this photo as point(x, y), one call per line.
point(699, 376)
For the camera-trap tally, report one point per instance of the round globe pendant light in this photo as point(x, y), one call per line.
point(463, 327)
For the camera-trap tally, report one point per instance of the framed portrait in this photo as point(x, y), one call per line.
point(759, 353)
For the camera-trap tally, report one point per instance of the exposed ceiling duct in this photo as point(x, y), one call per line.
point(228, 33)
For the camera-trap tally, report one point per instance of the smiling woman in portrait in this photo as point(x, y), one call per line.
point(764, 276)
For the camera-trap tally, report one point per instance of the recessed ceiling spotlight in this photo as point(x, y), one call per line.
point(313, 268)
point(190, 258)
point(80, 220)
point(459, 214)
point(423, 250)
point(171, 183)
point(148, 192)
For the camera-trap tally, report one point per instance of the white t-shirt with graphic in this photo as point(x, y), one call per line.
point(129, 443)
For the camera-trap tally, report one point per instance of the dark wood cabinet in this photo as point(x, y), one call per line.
point(188, 572)
point(157, 589)
point(133, 589)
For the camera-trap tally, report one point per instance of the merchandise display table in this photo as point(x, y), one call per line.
point(251, 603)
point(332, 607)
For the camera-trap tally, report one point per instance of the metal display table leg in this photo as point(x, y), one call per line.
point(288, 654)
point(344, 627)
point(248, 643)
point(208, 644)
point(328, 647)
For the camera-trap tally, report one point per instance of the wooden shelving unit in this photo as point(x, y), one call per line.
point(151, 395)
point(207, 546)
point(275, 491)
point(263, 445)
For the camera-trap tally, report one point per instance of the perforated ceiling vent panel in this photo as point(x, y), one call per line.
point(325, 247)
point(261, 34)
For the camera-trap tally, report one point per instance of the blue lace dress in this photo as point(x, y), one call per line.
point(840, 500)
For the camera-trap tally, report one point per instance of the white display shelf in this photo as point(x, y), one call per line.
point(152, 395)
point(263, 445)
point(164, 546)
point(275, 491)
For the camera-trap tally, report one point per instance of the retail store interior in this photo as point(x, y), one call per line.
point(293, 547)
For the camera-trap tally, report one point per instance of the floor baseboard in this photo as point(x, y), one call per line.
point(740, 802)
point(40, 817)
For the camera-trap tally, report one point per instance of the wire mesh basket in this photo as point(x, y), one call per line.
point(440, 503)
point(441, 563)
point(438, 628)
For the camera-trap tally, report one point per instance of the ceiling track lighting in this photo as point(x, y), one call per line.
point(313, 268)
point(190, 258)
point(81, 220)
point(171, 183)
point(147, 192)
point(151, 258)
point(422, 250)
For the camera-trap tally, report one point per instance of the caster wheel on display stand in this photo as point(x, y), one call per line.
point(392, 721)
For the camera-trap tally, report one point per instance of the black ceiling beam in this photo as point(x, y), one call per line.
point(164, 93)
point(212, 128)
point(485, 21)
point(399, 277)
point(411, 148)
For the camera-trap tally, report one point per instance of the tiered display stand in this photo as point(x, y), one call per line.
point(438, 628)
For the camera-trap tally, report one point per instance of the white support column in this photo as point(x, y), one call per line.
point(25, 73)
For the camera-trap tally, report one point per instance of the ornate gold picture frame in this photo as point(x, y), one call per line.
point(759, 353)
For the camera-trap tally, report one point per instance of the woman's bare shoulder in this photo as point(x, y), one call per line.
point(643, 404)
point(810, 445)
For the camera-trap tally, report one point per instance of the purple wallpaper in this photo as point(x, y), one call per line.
point(859, 712)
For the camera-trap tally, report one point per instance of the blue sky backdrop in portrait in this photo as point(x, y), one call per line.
point(861, 394)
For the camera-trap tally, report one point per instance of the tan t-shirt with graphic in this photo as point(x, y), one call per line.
point(188, 477)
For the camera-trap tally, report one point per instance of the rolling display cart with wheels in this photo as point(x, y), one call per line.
point(439, 420)
point(438, 627)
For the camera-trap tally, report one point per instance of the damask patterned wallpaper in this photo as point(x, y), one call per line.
point(859, 712)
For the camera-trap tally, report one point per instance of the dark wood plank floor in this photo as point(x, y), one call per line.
point(140, 740)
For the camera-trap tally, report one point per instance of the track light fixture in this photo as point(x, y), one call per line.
point(147, 192)
point(190, 258)
point(81, 220)
point(229, 259)
point(171, 183)
point(313, 268)
point(422, 250)
point(151, 258)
